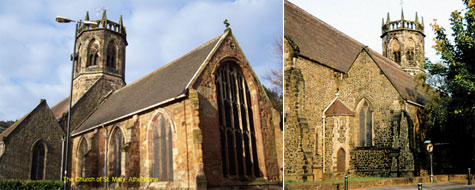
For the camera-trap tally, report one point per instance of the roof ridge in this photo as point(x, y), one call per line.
point(168, 64)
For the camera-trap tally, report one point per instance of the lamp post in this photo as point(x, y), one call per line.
point(61, 19)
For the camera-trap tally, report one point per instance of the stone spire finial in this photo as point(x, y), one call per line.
point(417, 18)
point(382, 23)
point(104, 15)
point(120, 20)
point(87, 16)
point(387, 18)
point(402, 14)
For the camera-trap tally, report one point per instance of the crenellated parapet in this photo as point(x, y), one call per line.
point(103, 24)
point(402, 24)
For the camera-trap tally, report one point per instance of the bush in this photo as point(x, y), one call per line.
point(17, 184)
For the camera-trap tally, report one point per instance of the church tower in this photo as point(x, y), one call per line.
point(403, 42)
point(101, 53)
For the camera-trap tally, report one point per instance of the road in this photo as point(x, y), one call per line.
point(440, 186)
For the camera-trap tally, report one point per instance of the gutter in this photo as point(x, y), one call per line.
point(131, 114)
point(414, 103)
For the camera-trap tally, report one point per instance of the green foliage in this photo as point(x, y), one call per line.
point(16, 184)
point(449, 114)
point(5, 124)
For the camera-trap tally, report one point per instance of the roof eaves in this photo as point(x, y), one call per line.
point(320, 63)
point(130, 114)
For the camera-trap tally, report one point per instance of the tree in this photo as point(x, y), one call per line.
point(450, 112)
point(5, 124)
point(275, 77)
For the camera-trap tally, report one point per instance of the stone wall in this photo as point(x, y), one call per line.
point(364, 81)
point(40, 124)
point(297, 148)
point(137, 163)
point(84, 77)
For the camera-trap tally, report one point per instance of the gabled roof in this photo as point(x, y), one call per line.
point(338, 108)
point(165, 84)
point(321, 43)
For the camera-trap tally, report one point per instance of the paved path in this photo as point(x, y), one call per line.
point(440, 186)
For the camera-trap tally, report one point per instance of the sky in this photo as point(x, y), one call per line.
point(362, 19)
point(34, 50)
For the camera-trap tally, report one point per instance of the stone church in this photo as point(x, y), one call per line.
point(201, 121)
point(348, 109)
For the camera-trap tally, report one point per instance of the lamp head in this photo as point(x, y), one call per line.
point(62, 19)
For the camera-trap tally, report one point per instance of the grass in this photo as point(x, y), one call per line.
point(334, 180)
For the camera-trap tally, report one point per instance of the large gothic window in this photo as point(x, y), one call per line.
point(115, 152)
point(93, 53)
point(162, 166)
point(82, 164)
point(111, 55)
point(365, 126)
point(236, 123)
point(38, 161)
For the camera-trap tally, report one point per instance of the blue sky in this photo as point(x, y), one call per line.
point(34, 51)
point(361, 19)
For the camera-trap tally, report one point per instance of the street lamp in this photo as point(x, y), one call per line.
point(61, 19)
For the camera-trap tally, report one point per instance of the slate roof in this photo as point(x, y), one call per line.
point(321, 43)
point(60, 108)
point(166, 83)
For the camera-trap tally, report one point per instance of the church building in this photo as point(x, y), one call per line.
point(348, 109)
point(202, 121)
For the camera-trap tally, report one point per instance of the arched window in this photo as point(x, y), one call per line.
point(82, 163)
point(396, 49)
point(236, 123)
point(162, 166)
point(111, 55)
point(115, 153)
point(411, 49)
point(38, 161)
point(93, 53)
point(366, 126)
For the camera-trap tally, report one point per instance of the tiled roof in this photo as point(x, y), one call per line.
point(60, 108)
point(321, 43)
point(167, 82)
point(338, 108)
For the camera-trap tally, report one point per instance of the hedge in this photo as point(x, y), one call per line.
point(17, 184)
